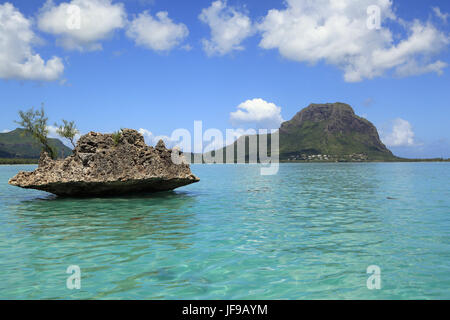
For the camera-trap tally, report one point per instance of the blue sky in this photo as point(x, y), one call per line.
point(144, 71)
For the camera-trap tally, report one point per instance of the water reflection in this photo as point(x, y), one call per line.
point(105, 236)
point(162, 216)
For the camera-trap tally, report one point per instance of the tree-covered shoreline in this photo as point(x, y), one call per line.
point(9, 161)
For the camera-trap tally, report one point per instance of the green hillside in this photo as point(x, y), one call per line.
point(326, 132)
point(331, 129)
point(20, 144)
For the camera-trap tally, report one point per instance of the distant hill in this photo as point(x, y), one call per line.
point(326, 132)
point(20, 144)
point(331, 129)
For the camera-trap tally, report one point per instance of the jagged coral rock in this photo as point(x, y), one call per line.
point(99, 166)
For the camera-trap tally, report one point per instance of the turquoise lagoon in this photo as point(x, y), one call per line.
point(309, 232)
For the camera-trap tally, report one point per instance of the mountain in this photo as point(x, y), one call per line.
point(331, 129)
point(325, 132)
point(20, 144)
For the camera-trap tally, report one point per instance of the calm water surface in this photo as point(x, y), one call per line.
point(308, 232)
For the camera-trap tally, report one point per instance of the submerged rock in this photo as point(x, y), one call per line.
point(101, 166)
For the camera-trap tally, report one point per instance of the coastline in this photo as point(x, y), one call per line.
point(14, 161)
point(367, 161)
point(8, 161)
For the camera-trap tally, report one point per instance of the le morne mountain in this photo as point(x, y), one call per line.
point(19, 144)
point(326, 132)
point(331, 130)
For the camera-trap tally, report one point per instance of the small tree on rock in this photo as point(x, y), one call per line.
point(35, 123)
point(67, 130)
point(116, 136)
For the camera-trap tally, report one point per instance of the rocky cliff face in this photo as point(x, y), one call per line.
point(100, 166)
point(331, 129)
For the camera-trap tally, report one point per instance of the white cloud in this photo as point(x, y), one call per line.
point(160, 33)
point(336, 32)
point(52, 132)
point(443, 16)
point(6, 131)
point(412, 68)
point(17, 59)
point(401, 134)
point(258, 113)
point(152, 140)
point(97, 20)
point(148, 136)
point(187, 47)
point(229, 28)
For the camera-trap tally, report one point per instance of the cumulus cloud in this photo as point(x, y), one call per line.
point(17, 59)
point(441, 15)
point(52, 132)
point(81, 24)
point(400, 135)
point(148, 136)
point(337, 33)
point(412, 68)
point(258, 113)
point(229, 27)
point(160, 33)
point(6, 131)
point(152, 140)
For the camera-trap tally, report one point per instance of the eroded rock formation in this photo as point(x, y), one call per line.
point(101, 166)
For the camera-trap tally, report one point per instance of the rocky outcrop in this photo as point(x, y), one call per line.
point(101, 165)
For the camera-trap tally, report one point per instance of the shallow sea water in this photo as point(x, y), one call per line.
point(308, 232)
